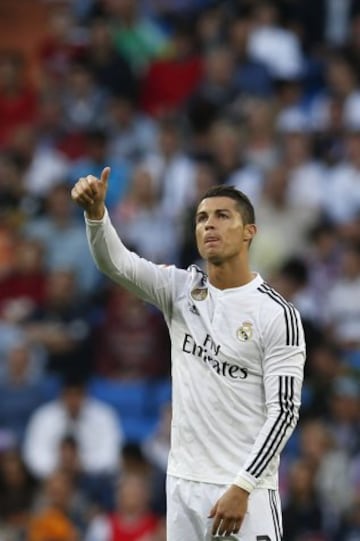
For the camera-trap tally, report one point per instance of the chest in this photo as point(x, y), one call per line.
point(224, 328)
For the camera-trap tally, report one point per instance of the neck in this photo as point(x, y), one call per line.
point(229, 274)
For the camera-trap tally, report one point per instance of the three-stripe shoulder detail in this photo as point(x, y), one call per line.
point(291, 317)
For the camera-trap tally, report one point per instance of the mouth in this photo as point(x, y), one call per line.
point(211, 240)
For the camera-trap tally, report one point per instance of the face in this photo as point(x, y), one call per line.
point(220, 232)
point(73, 399)
point(133, 493)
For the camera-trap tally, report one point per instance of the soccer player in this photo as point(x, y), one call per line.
point(238, 354)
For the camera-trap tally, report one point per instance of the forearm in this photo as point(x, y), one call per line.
point(281, 420)
point(108, 251)
point(126, 268)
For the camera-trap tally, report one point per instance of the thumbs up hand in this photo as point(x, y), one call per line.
point(89, 193)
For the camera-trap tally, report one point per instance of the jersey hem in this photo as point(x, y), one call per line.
point(227, 482)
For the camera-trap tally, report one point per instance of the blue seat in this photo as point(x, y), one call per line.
point(137, 403)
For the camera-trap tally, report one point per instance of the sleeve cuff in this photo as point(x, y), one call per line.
point(96, 222)
point(245, 481)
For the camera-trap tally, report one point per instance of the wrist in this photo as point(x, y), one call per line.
point(244, 491)
point(244, 482)
point(95, 213)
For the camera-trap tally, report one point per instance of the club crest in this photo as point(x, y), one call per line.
point(199, 294)
point(245, 332)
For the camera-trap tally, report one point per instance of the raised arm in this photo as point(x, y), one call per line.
point(90, 192)
point(151, 282)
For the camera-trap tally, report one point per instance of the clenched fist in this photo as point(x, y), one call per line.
point(90, 192)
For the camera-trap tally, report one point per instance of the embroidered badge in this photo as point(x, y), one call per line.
point(199, 294)
point(245, 332)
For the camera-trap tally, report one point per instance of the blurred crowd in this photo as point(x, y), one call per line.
point(176, 96)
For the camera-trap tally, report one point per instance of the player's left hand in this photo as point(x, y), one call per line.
point(229, 511)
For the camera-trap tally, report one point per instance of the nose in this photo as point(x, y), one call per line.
point(209, 224)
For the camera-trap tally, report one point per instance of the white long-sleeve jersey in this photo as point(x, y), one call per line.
point(237, 365)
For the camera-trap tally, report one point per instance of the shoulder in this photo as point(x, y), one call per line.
point(197, 275)
point(276, 311)
point(47, 412)
point(97, 408)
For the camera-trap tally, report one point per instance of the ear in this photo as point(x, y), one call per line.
point(250, 232)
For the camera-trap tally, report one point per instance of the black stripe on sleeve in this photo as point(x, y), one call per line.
point(289, 416)
point(276, 428)
point(274, 515)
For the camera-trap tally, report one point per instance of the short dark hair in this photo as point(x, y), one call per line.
point(244, 204)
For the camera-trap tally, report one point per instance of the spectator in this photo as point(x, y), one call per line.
point(18, 488)
point(93, 162)
point(142, 220)
point(23, 288)
point(132, 519)
point(156, 450)
point(23, 388)
point(306, 175)
point(132, 134)
point(209, 25)
point(343, 414)
point(168, 83)
point(292, 283)
point(217, 89)
point(62, 327)
point(18, 100)
point(109, 67)
point(276, 47)
point(59, 492)
point(349, 529)
point(12, 191)
point(342, 196)
point(326, 22)
point(62, 238)
point(61, 44)
point(83, 100)
point(132, 342)
point(323, 262)
point(172, 169)
point(92, 493)
point(342, 306)
point(231, 168)
point(324, 365)
point(43, 168)
point(274, 212)
point(137, 37)
point(53, 519)
point(261, 150)
point(252, 78)
point(331, 466)
point(93, 424)
point(302, 510)
point(342, 84)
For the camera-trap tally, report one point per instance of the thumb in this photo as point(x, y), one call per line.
point(105, 175)
point(213, 511)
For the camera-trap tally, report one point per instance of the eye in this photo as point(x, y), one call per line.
point(200, 218)
point(223, 215)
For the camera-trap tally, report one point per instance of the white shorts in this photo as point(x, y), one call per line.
point(189, 504)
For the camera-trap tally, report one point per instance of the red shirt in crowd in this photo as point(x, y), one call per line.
point(122, 531)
